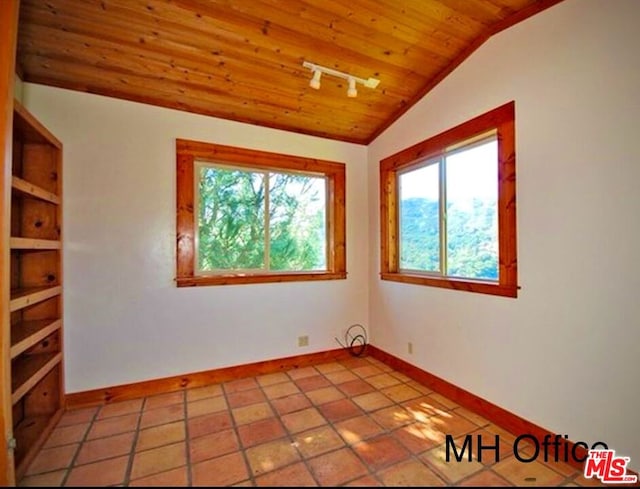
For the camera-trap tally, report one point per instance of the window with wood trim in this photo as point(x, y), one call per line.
point(246, 216)
point(448, 208)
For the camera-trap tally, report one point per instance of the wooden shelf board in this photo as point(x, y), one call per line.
point(17, 243)
point(30, 128)
point(25, 334)
point(31, 190)
point(30, 434)
point(21, 298)
point(29, 370)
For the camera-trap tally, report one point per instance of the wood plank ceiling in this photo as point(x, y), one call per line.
point(242, 59)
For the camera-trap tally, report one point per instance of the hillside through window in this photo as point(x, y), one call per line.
point(448, 208)
point(449, 213)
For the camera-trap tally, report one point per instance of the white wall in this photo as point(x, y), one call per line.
point(566, 353)
point(125, 320)
point(17, 88)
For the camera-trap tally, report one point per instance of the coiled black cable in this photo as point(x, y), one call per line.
point(355, 340)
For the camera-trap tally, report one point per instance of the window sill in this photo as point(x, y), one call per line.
point(202, 280)
point(455, 284)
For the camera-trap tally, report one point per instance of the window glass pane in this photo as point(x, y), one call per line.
point(472, 217)
point(230, 219)
point(419, 219)
point(297, 229)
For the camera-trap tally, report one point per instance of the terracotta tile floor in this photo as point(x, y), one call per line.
point(355, 422)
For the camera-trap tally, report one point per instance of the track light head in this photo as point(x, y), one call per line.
point(371, 83)
point(315, 81)
point(352, 91)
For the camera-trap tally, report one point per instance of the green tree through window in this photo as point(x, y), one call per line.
point(256, 220)
point(245, 216)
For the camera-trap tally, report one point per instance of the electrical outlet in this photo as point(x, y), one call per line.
point(410, 348)
point(303, 341)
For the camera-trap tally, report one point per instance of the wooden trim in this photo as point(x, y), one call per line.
point(60, 222)
point(453, 284)
point(513, 423)
point(435, 145)
point(186, 154)
point(508, 266)
point(198, 379)
point(502, 119)
point(9, 10)
point(186, 236)
point(337, 228)
point(244, 157)
point(257, 278)
point(464, 54)
point(388, 221)
point(18, 243)
point(32, 190)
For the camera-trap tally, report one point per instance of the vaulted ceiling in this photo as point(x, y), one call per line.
point(242, 59)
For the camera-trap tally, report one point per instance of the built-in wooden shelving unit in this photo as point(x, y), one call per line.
point(35, 302)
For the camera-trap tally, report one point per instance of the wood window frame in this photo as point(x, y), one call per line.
point(187, 152)
point(502, 119)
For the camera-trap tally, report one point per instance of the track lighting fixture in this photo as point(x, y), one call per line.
point(315, 81)
point(352, 80)
point(352, 91)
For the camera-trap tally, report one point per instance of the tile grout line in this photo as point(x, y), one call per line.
point(368, 414)
point(305, 460)
point(485, 469)
point(348, 445)
point(80, 445)
point(241, 448)
point(288, 435)
point(132, 452)
point(187, 438)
